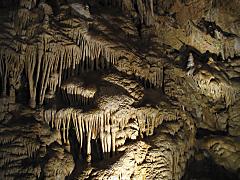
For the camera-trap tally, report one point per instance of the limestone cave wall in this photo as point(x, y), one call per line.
point(119, 89)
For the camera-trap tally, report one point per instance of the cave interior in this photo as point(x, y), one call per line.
point(120, 89)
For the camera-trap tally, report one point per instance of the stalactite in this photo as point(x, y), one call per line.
point(220, 44)
point(30, 64)
point(29, 4)
point(76, 92)
point(134, 88)
point(92, 49)
point(23, 17)
point(47, 68)
point(53, 82)
point(146, 11)
point(3, 73)
point(210, 86)
point(16, 67)
point(111, 128)
point(56, 48)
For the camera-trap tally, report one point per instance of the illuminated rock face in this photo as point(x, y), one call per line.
point(118, 89)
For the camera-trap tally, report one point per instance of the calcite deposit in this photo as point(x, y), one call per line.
point(119, 89)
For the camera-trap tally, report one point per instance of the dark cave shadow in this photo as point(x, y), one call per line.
point(207, 169)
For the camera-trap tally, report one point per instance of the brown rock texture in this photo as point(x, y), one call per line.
point(118, 89)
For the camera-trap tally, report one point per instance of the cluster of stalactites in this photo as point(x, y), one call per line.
point(111, 128)
point(28, 4)
point(76, 93)
point(140, 68)
point(43, 64)
point(48, 57)
point(215, 84)
point(219, 44)
point(54, 66)
point(66, 61)
point(88, 126)
point(211, 87)
point(129, 63)
point(11, 66)
point(132, 87)
point(144, 8)
point(86, 54)
point(39, 67)
point(146, 12)
point(92, 47)
point(25, 16)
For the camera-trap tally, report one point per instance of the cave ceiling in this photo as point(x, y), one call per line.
point(120, 89)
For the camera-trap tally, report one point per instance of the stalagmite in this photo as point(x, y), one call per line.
point(190, 65)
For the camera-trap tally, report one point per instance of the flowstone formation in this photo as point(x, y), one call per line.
point(119, 89)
